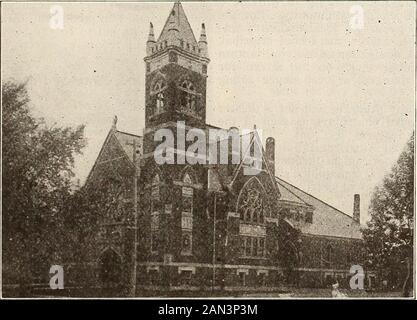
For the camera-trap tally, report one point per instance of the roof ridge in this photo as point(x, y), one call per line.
point(329, 205)
point(110, 134)
point(128, 133)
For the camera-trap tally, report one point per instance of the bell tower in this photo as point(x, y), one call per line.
point(175, 95)
point(176, 74)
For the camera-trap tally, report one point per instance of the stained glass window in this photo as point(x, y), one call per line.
point(251, 203)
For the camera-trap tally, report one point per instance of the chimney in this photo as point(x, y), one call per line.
point(357, 208)
point(270, 154)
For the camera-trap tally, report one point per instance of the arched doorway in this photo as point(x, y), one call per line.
point(110, 267)
point(290, 261)
point(289, 252)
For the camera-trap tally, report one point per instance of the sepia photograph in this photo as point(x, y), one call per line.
point(208, 149)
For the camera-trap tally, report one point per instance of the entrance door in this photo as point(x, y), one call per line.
point(110, 268)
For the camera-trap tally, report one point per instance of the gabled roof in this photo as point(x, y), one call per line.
point(254, 140)
point(177, 20)
point(125, 141)
point(327, 220)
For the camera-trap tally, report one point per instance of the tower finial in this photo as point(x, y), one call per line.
point(151, 36)
point(202, 43)
point(203, 37)
point(151, 40)
point(114, 125)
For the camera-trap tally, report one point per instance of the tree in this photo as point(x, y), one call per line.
point(389, 233)
point(37, 170)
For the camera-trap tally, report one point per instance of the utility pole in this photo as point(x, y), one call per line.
point(135, 213)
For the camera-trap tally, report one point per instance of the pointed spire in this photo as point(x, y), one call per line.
point(202, 43)
point(151, 36)
point(150, 44)
point(173, 20)
point(177, 29)
point(114, 125)
point(177, 33)
point(203, 37)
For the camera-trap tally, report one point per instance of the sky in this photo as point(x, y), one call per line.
point(338, 99)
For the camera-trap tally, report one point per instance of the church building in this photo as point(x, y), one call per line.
point(202, 227)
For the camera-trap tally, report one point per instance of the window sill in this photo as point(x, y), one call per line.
point(253, 258)
point(186, 254)
point(260, 224)
point(191, 114)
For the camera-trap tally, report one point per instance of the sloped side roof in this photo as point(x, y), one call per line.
point(287, 195)
point(327, 220)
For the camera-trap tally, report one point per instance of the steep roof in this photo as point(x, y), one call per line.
point(177, 20)
point(126, 141)
point(327, 220)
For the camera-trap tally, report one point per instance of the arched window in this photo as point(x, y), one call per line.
point(110, 267)
point(251, 202)
point(250, 205)
point(329, 254)
point(187, 215)
point(189, 96)
point(290, 257)
point(158, 95)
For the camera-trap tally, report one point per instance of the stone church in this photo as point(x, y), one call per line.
point(181, 227)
